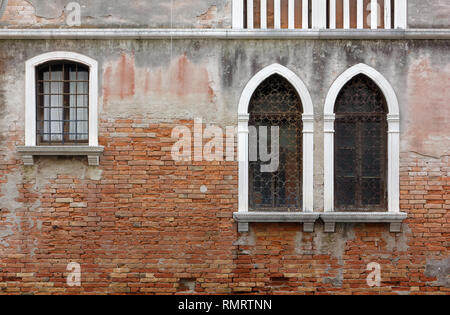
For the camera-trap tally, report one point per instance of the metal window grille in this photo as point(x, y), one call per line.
point(361, 147)
point(62, 101)
point(276, 103)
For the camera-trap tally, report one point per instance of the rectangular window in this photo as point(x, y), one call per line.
point(62, 104)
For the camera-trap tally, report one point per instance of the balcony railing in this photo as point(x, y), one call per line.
point(319, 14)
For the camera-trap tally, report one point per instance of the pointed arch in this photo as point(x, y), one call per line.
point(374, 75)
point(293, 79)
point(308, 134)
point(393, 120)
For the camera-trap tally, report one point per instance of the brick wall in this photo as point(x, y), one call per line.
point(140, 224)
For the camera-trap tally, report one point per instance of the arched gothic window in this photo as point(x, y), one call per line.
point(275, 103)
point(360, 179)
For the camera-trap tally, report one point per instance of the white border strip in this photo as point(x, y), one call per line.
point(30, 93)
point(222, 34)
point(393, 119)
point(308, 134)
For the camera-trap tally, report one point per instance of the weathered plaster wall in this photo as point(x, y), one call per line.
point(428, 13)
point(126, 220)
point(176, 13)
point(117, 13)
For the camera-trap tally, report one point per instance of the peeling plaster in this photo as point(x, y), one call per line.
point(428, 13)
point(439, 269)
point(9, 206)
point(246, 239)
point(429, 86)
point(334, 244)
point(132, 87)
point(48, 168)
point(399, 241)
point(142, 13)
point(336, 282)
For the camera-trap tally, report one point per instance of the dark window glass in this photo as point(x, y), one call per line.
point(62, 100)
point(276, 103)
point(360, 147)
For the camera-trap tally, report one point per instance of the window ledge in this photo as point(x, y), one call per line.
point(28, 152)
point(307, 218)
point(331, 218)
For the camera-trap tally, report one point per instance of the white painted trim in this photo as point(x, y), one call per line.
point(401, 14)
point(305, 14)
point(393, 135)
point(387, 14)
point(277, 14)
point(332, 14)
point(319, 14)
point(308, 219)
point(374, 14)
point(291, 14)
point(30, 93)
point(394, 219)
point(346, 10)
point(250, 15)
point(263, 14)
point(360, 14)
point(238, 14)
point(224, 34)
point(28, 153)
point(308, 134)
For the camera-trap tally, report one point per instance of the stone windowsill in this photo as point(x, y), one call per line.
point(329, 218)
point(28, 152)
point(307, 218)
point(394, 219)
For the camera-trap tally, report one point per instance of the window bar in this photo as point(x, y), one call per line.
point(291, 18)
point(76, 105)
point(50, 104)
point(346, 14)
point(387, 14)
point(250, 17)
point(305, 14)
point(360, 14)
point(277, 14)
point(333, 14)
point(88, 113)
point(263, 14)
point(374, 14)
point(66, 115)
point(238, 14)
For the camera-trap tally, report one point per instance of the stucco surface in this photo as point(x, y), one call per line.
point(429, 13)
point(118, 13)
point(145, 217)
point(186, 79)
point(172, 13)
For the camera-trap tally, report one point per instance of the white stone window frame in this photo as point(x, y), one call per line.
point(306, 216)
point(393, 214)
point(92, 150)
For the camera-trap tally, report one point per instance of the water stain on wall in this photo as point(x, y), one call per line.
point(428, 120)
point(176, 83)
